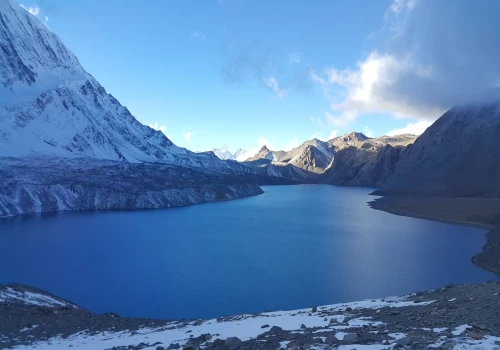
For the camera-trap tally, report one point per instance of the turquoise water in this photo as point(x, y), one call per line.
point(292, 247)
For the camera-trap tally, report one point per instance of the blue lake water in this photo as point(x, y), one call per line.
point(292, 247)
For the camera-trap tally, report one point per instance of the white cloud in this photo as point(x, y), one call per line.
point(427, 61)
point(198, 35)
point(399, 6)
point(332, 135)
point(188, 135)
point(34, 10)
point(272, 83)
point(290, 145)
point(46, 19)
point(156, 126)
point(416, 128)
point(294, 57)
point(368, 132)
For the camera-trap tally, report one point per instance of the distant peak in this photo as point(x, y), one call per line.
point(354, 136)
point(264, 149)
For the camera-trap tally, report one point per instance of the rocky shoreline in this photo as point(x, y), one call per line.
point(482, 213)
point(460, 317)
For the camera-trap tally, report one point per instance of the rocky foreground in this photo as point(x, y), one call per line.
point(453, 317)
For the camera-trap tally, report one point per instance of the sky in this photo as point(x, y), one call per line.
point(243, 73)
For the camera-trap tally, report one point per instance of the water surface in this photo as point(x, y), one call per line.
point(292, 247)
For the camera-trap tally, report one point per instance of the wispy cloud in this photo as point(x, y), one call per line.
point(416, 128)
point(272, 83)
point(188, 135)
point(368, 132)
point(34, 10)
point(294, 143)
point(198, 35)
point(332, 135)
point(294, 57)
point(160, 127)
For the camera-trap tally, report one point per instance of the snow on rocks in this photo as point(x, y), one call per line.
point(24, 296)
point(415, 321)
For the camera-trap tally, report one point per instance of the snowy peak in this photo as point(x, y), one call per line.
point(224, 154)
point(31, 53)
point(51, 107)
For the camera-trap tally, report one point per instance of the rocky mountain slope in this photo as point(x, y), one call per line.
point(63, 184)
point(458, 155)
point(353, 159)
point(364, 161)
point(454, 317)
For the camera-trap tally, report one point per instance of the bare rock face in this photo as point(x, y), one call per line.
point(368, 165)
point(338, 161)
point(380, 167)
point(459, 155)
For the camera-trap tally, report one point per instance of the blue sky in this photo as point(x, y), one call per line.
point(244, 73)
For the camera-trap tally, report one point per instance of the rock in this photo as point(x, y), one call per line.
point(160, 348)
point(302, 326)
point(173, 346)
point(314, 309)
point(265, 326)
point(448, 345)
point(406, 341)
point(449, 285)
point(474, 335)
point(350, 338)
point(188, 347)
point(276, 329)
point(331, 339)
point(291, 345)
point(218, 343)
point(348, 309)
point(233, 342)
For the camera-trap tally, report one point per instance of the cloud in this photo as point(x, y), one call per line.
point(332, 135)
point(290, 145)
point(294, 57)
point(156, 126)
point(188, 135)
point(427, 62)
point(34, 10)
point(416, 128)
point(198, 35)
point(368, 132)
point(272, 83)
point(46, 19)
point(256, 62)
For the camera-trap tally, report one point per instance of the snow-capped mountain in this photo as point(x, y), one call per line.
point(65, 143)
point(224, 154)
point(50, 106)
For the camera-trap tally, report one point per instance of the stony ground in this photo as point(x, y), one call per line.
point(461, 317)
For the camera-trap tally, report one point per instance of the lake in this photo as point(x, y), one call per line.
point(292, 247)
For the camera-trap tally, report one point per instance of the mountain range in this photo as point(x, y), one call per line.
point(224, 154)
point(66, 143)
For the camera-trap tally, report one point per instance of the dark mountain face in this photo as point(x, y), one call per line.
point(459, 155)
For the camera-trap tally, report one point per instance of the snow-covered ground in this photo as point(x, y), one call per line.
point(337, 320)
